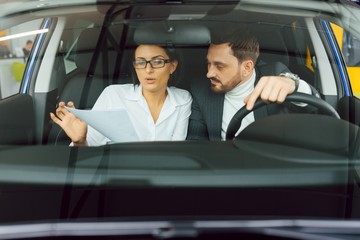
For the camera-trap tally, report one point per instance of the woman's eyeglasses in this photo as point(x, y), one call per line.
point(154, 63)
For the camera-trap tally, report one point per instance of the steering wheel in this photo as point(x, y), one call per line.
point(322, 105)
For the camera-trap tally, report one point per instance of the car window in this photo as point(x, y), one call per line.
point(78, 26)
point(304, 57)
point(16, 45)
point(350, 47)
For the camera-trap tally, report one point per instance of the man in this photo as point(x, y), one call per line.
point(27, 48)
point(233, 82)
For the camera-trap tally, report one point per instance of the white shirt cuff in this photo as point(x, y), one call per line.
point(303, 88)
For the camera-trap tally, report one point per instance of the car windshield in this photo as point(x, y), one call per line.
point(138, 112)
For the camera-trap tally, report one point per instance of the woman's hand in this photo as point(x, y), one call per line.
point(75, 128)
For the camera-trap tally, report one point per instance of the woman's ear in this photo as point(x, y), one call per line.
point(174, 64)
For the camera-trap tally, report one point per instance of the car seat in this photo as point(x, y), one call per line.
point(92, 75)
point(274, 49)
point(96, 66)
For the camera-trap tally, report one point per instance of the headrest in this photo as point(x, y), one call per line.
point(85, 49)
point(272, 48)
point(170, 34)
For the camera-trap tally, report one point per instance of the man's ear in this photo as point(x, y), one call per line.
point(249, 65)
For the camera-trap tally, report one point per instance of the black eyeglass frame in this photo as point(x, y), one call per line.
point(151, 63)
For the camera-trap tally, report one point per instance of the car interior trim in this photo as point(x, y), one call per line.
point(337, 57)
point(328, 86)
point(31, 65)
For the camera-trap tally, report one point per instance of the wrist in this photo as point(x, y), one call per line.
point(293, 77)
point(79, 141)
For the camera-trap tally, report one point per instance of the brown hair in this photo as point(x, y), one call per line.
point(244, 45)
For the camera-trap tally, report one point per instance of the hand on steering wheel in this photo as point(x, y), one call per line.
point(322, 105)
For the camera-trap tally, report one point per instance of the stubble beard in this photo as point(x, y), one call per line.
point(221, 88)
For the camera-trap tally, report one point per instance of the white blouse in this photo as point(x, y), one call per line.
point(172, 123)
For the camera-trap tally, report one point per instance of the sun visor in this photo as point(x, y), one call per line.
point(168, 34)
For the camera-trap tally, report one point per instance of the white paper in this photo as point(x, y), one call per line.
point(113, 124)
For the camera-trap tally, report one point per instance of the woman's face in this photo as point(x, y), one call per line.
point(153, 79)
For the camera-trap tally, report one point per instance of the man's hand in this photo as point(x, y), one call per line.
point(73, 126)
point(270, 89)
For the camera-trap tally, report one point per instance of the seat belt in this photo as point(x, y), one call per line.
point(99, 46)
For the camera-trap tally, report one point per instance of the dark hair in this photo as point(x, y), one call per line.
point(243, 43)
point(172, 56)
point(29, 41)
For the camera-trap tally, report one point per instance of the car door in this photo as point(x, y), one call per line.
point(346, 48)
point(17, 67)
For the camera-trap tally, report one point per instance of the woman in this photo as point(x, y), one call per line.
point(158, 112)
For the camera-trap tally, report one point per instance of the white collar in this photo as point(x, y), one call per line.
point(244, 87)
point(174, 98)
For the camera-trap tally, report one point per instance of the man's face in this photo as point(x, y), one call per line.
point(224, 70)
